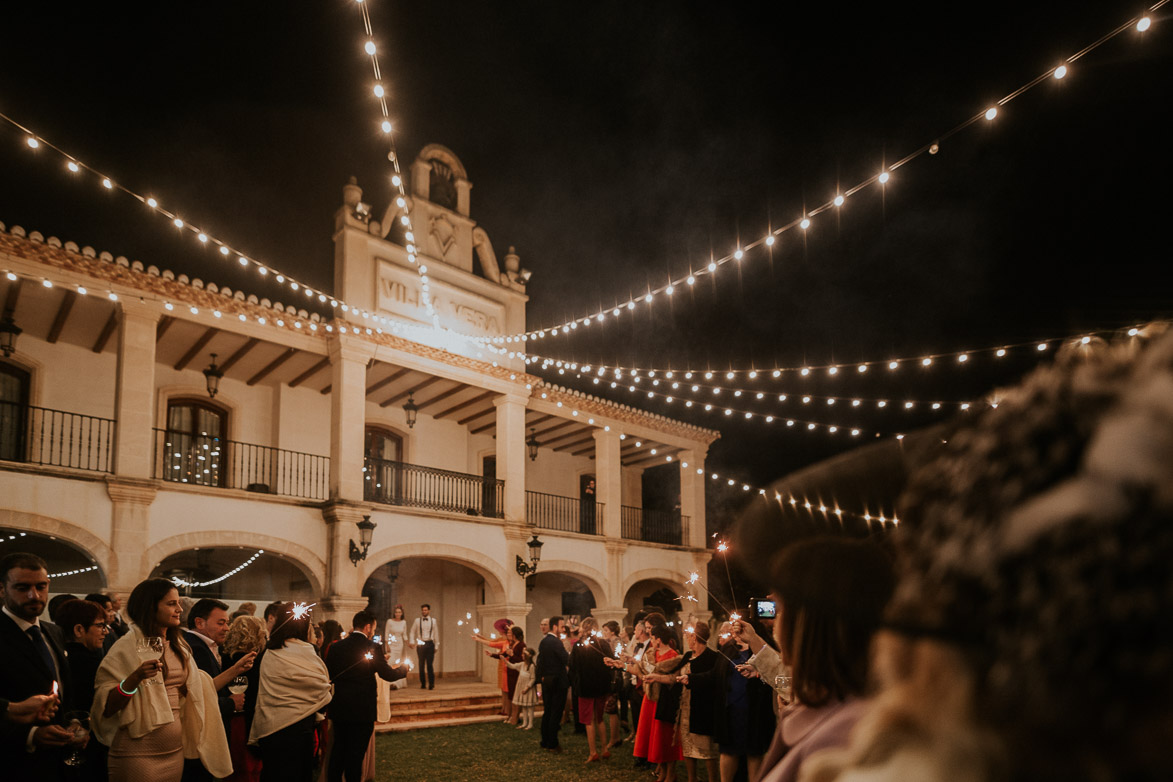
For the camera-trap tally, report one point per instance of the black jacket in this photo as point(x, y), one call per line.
point(708, 675)
point(209, 662)
point(552, 660)
point(355, 693)
point(22, 675)
point(592, 676)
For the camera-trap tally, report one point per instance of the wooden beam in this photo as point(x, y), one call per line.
point(553, 428)
point(539, 420)
point(476, 415)
point(575, 443)
point(456, 389)
point(372, 388)
point(12, 297)
point(583, 452)
point(484, 427)
point(475, 400)
point(196, 348)
point(67, 302)
point(107, 330)
point(658, 458)
point(164, 324)
point(409, 391)
point(258, 377)
point(566, 436)
point(304, 376)
point(239, 354)
point(326, 390)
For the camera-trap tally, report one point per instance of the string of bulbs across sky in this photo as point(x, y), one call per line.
point(804, 221)
point(35, 141)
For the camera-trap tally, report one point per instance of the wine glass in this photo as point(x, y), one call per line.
point(150, 648)
point(784, 685)
point(238, 686)
point(78, 724)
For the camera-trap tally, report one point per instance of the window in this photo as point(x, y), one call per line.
point(14, 411)
point(384, 451)
point(196, 443)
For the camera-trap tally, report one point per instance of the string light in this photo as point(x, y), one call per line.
point(195, 584)
point(76, 572)
point(1141, 24)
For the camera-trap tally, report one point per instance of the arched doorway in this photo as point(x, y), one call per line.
point(452, 590)
point(657, 595)
point(235, 575)
point(72, 569)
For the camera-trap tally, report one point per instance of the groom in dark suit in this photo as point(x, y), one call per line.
point(353, 663)
point(32, 660)
point(551, 672)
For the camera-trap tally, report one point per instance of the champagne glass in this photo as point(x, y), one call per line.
point(150, 648)
point(78, 724)
point(784, 685)
point(238, 686)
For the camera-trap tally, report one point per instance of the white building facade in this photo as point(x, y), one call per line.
point(113, 454)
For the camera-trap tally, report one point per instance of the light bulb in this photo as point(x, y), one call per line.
point(893, 365)
point(1144, 24)
point(991, 113)
point(926, 362)
point(32, 142)
point(1001, 352)
point(805, 224)
point(691, 281)
point(770, 240)
point(738, 254)
point(669, 290)
point(106, 183)
point(243, 261)
point(839, 200)
point(203, 237)
point(73, 167)
point(962, 358)
point(178, 223)
point(712, 266)
point(386, 126)
point(884, 177)
point(370, 47)
point(1060, 72)
point(152, 203)
point(379, 91)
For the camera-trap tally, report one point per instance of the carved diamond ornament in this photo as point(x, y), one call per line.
point(444, 232)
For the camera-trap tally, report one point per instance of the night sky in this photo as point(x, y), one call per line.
point(616, 144)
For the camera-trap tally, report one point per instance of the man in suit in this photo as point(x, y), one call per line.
point(207, 623)
point(551, 672)
point(118, 626)
point(425, 637)
point(32, 662)
point(353, 663)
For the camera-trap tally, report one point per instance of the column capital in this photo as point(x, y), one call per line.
point(136, 491)
point(519, 532)
point(606, 614)
point(343, 512)
point(348, 348)
point(615, 546)
point(341, 608)
point(509, 398)
point(140, 310)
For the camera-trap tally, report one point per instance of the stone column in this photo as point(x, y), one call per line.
point(134, 399)
point(511, 454)
point(692, 497)
point(343, 597)
point(614, 570)
point(348, 399)
point(130, 528)
point(609, 614)
point(609, 481)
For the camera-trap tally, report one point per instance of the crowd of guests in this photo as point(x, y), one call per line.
point(172, 690)
point(1015, 628)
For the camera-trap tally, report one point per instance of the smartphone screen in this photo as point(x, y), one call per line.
point(765, 609)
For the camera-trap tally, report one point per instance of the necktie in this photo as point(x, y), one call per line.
point(43, 649)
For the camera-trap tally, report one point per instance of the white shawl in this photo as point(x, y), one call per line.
point(294, 683)
point(149, 709)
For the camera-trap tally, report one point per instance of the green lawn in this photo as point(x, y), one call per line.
point(495, 752)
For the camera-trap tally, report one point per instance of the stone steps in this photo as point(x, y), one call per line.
point(455, 704)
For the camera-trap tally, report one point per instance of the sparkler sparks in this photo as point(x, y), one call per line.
point(302, 610)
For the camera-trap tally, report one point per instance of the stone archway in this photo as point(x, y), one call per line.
point(68, 532)
point(489, 569)
point(309, 563)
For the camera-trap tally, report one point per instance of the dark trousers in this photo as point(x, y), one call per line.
point(637, 702)
point(288, 754)
point(427, 656)
point(554, 702)
point(351, 740)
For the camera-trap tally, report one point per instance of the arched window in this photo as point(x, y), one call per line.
point(196, 443)
point(384, 453)
point(442, 185)
point(14, 411)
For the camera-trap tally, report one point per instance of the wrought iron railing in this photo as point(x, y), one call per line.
point(57, 438)
point(654, 526)
point(399, 483)
point(567, 514)
point(201, 460)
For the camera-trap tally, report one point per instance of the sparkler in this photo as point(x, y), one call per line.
point(694, 578)
point(723, 547)
point(302, 610)
point(54, 688)
point(366, 658)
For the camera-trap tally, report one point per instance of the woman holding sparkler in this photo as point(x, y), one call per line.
point(500, 643)
point(294, 687)
point(592, 681)
point(152, 721)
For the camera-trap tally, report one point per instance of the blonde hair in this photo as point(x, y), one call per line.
point(246, 634)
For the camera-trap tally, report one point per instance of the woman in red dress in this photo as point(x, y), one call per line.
point(655, 740)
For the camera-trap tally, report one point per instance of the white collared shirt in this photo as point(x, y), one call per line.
point(215, 647)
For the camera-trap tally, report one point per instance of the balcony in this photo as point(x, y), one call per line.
point(211, 461)
point(413, 486)
point(654, 526)
point(56, 438)
point(565, 514)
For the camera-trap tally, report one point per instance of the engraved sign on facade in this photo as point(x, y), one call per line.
point(398, 293)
